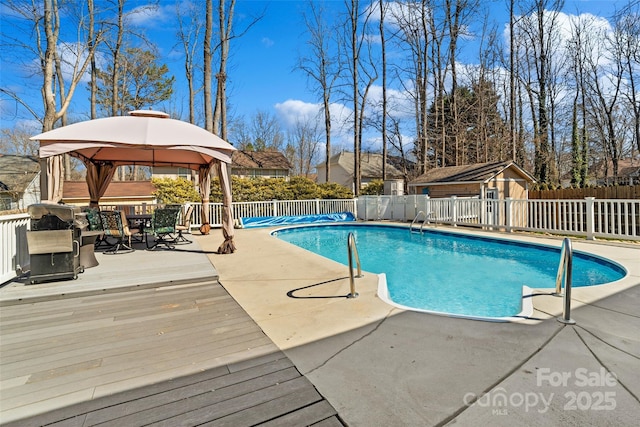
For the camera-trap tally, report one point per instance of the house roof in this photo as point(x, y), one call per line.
point(116, 189)
point(259, 160)
point(17, 172)
point(479, 172)
point(626, 168)
point(370, 166)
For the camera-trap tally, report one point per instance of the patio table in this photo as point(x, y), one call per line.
point(140, 221)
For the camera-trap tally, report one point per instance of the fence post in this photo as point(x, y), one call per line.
point(590, 201)
point(317, 207)
point(508, 213)
point(275, 207)
point(454, 211)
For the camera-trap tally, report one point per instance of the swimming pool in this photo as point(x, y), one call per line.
point(451, 273)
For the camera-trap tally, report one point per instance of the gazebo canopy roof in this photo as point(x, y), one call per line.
point(148, 138)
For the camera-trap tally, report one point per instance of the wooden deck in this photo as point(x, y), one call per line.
point(183, 354)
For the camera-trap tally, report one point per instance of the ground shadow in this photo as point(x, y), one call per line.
point(290, 294)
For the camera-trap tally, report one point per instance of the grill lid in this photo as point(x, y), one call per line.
point(66, 213)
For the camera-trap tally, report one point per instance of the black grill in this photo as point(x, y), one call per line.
point(54, 242)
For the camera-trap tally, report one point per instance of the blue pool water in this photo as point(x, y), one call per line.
point(451, 273)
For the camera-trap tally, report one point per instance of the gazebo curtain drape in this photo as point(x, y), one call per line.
point(99, 177)
point(52, 175)
point(227, 246)
point(204, 174)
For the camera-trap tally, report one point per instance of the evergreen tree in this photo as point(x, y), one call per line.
point(480, 130)
point(142, 82)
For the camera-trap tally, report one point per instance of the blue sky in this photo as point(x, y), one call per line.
point(261, 69)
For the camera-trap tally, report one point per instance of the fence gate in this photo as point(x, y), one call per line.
point(491, 209)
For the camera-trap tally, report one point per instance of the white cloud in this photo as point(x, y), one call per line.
point(150, 15)
point(293, 111)
point(400, 102)
point(73, 55)
point(267, 42)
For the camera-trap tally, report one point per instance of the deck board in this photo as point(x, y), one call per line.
point(168, 355)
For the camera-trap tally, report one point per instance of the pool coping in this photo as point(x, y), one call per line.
point(523, 238)
point(380, 365)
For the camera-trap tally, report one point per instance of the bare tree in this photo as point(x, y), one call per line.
point(189, 27)
point(354, 41)
point(627, 23)
point(226, 33)
point(383, 46)
point(302, 146)
point(239, 134)
point(456, 16)
point(491, 138)
point(266, 133)
point(225, 28)
point(322, 66)
point(416, 34)
point(579, 46)
point(605, 79)
point(51, 62)
point(512, 80)
point(16, 141)
point(537, 34)
point(207, 70)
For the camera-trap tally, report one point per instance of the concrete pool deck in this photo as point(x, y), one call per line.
point(381, 366)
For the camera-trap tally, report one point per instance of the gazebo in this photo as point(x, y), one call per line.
point(146, 138)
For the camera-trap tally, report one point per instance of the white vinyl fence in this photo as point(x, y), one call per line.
point(591, 218)
point(14, 255)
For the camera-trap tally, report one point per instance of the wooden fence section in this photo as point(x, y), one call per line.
point(615, 192)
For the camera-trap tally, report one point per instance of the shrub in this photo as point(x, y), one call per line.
point(374, 188)
point(178, 191)
point(297, 188)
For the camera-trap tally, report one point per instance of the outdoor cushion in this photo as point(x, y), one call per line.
point(93, 217)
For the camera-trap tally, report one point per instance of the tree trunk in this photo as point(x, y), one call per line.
point(207, 70)
point(383, 47)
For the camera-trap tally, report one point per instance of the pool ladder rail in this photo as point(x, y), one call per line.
point(424, 221)
point(352, 249)
point(564, 275)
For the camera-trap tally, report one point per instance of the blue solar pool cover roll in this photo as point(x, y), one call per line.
point(270, 221)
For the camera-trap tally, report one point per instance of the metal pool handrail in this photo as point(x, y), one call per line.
point(351, 249)
point(415, 219)
point(565, 271)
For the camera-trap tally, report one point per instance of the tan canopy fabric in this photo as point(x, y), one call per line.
point(99, 175)
point(146, 138)
point(52, 179)
point(204, 174)
point(142, 138)
point(227, 246)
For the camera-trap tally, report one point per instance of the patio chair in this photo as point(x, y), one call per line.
point(184, 225)
point(95, 225)
point(163, 227)
point(115, 225)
